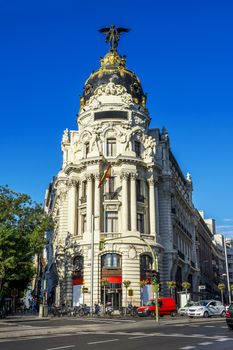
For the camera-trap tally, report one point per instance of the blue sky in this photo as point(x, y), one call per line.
point(181, 50)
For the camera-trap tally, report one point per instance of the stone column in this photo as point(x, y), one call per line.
point(133, 202)
point(97, 204)
point(89, 203)
point(79, 228)
point(72, 207)
point(124, 206)
point(156, 211)
point(152, 205)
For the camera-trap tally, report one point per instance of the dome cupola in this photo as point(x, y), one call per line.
point(113, 68)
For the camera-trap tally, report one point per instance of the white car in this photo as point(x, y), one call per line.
point(206, 308)
point(182, 311)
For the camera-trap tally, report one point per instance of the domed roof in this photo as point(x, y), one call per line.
point(113, 67)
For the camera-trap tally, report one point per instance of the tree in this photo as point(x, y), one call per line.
point(22, 227)
point(171, 285)
point(221, 287)
point(126, 284)
point(104, 283)
point(186, 286)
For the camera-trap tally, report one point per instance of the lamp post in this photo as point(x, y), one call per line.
point(227, 272)
point(93, 217)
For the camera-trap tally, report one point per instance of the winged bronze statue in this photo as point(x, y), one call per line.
point(113, 35)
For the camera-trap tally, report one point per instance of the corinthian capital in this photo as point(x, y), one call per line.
point(134, 176)
point(124, 175)
point(72, 183)
point(88, 177)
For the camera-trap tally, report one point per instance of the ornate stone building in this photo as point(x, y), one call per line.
point(144, 206)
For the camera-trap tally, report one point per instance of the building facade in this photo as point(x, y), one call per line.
point(140, 219)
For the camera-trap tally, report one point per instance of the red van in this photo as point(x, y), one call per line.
point(167, 306)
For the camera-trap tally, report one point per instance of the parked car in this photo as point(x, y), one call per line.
point(206, 308)
point(182, 311)
point(167, 306)
point(229, 316)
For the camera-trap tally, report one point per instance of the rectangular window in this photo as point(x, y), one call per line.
point(111, 221)
point(84, 189)
point(140, 197)
point(84, 223)
point(87, 148)
point(137, 148)
point(111, 147)
point(140, 222)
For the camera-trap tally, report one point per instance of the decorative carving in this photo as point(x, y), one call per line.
point(110, 89)
point(134, 176)
point(149, 146)
point(88, 177)
point(72, 183)
point(151, 181)
point(132, 254)
point(66, 137)
point(124, 175)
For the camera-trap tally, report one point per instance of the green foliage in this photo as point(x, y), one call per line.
point(126, 283)
point(22, 227)
point(186, 285)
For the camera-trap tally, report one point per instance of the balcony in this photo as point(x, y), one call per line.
point(111, 196)
point(83, 199)
point(140, 198)
point(181, 255)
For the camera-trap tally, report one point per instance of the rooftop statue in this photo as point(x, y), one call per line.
point(113, 35)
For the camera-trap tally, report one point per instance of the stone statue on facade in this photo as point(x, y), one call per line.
point(65, 137)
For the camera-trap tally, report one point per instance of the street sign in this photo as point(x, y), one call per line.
point(201, 287)
point(130, 292)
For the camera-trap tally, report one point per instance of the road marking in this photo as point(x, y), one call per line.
point(62, 347)
point(209, 326)
point(143, 336)
point(206, 343)
point(224, 339)
point(188, 347)
point(103, 341)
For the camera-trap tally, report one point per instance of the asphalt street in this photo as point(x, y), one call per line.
point(117, 333)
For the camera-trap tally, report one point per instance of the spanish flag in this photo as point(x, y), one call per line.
point(106, 175)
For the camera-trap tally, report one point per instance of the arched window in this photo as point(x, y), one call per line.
point(78, 266)
point(111, 260)
point(146, 263)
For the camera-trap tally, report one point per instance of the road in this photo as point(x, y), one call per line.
point(100, 334)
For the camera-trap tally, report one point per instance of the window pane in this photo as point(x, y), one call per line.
point(111, 147)
point(87, 148)
point(140, 222)
point(111, 221)
point(137, 148)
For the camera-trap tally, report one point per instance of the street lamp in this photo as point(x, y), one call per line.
point(227, 272)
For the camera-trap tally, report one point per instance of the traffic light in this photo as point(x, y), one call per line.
point(155, 277)
point(102, 244)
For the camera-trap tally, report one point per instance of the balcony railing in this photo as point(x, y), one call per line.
point(181, 255)
point(83, 199)
point(140, 198)
point(111, 196)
